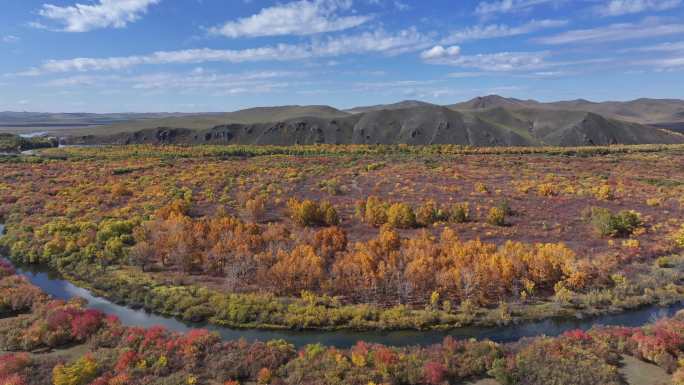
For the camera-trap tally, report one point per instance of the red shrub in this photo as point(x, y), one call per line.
point(264, 376)
point(361, 348)
point(577, 335)
point(119, 379)
point(126, 360)
point(384, 356)
point(85, 324)
point(10, 367)
point(13, 379)
point(199, 338)
point(434, 373)
point(155, 338)
point(58, 319)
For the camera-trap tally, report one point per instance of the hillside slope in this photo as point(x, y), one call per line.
point(493, 101)
point(394, 106)
point(662, 112)
point(647, 111)
point(425, 124)
point(204, 121)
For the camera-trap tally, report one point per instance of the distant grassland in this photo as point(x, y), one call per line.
point(178, 151)
point(205, 121)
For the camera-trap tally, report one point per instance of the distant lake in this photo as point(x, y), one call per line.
point(33, 134)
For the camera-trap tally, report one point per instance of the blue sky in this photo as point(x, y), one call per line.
point(222, 55)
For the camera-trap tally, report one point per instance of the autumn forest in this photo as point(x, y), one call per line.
point(340, 238)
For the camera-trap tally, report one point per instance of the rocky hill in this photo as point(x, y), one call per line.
point(416, 124)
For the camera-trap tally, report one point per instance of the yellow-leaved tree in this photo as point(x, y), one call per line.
point(80, 372)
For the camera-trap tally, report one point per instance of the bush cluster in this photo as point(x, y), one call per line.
point(309, 213)
point(608, 224)
point(679, 237)
point(402, 216)
point(460, 213)
point(564, 360)
point(496, 216)
point(52, 324)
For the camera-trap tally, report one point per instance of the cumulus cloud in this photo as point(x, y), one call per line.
point(438, 52)
point(615, 32)
point(624, 7)
point(502, 30)
point(378, 41)
point(104, 14)
point(304, 17)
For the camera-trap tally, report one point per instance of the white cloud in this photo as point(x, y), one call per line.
point(37, 25)
point(202, 55)
point(401, 6)
point(87, 17)
point(83, 80)
point(438, 52)
point(547, 74)
point(501, 30)
point(196, 81)
point(192, 81)
point(10, 39)
point(615, 32)
point(302, 17)
point(488, 8)
point(497, 62)
point(664, 64)
point(378, 41)
point(624, 7)
point(466, 75)
point(662, 47)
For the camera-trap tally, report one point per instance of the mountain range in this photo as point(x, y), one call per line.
point(644, 111)
point(483, 121)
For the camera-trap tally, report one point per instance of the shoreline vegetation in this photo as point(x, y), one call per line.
point(337, 237)
point(15, 144)
point(302, 313)
point(218, 151)
point(51, 341)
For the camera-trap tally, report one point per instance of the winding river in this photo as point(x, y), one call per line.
point(59, 288)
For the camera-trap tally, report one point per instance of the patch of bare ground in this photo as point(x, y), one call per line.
point(484, 381)
point(64, 353)
point(637, 372)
